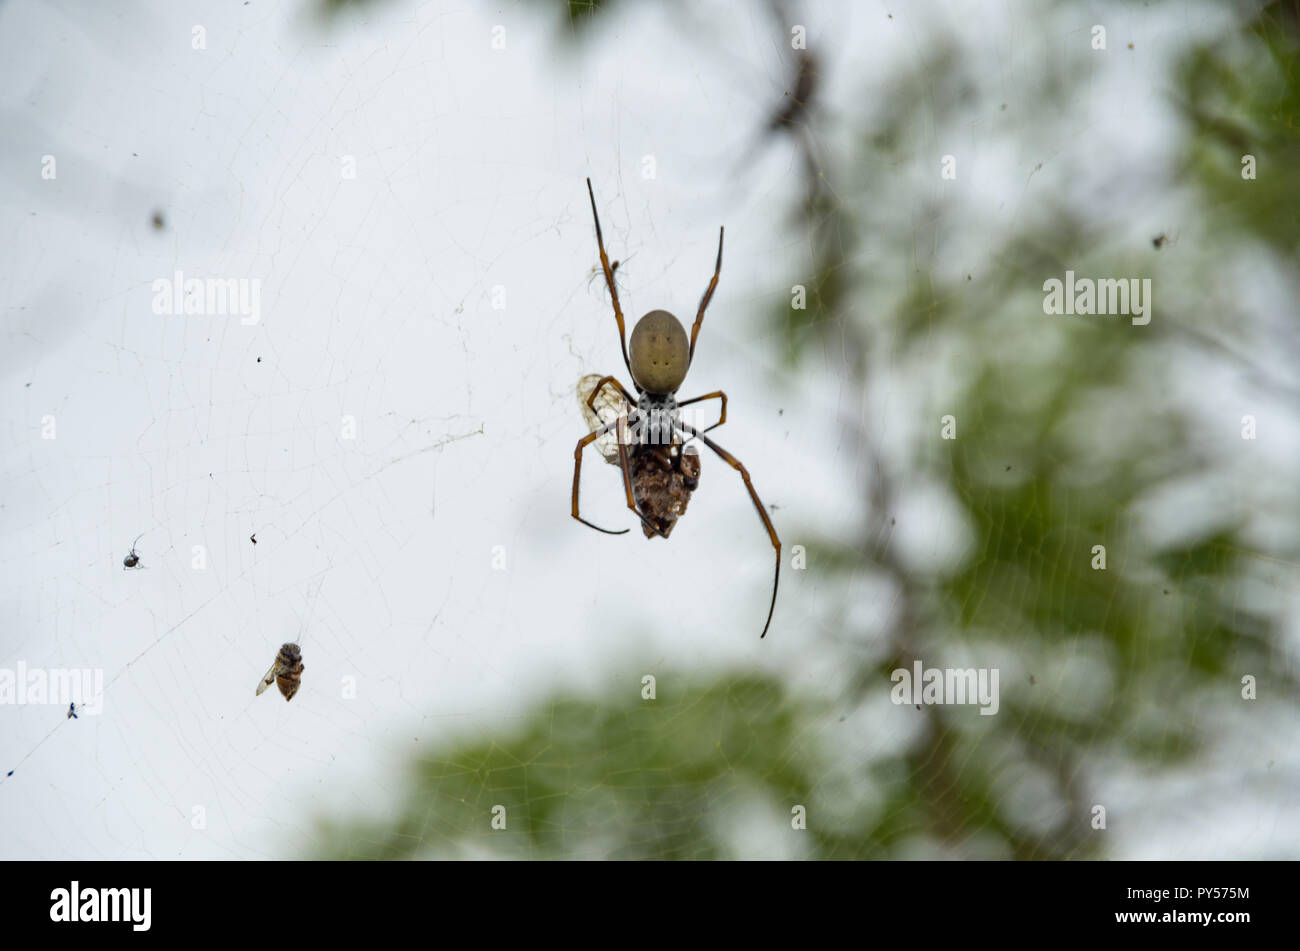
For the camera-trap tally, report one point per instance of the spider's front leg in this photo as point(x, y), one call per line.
point(708, 296)
point(606, 381)
point(715, 395)
point(609, 280)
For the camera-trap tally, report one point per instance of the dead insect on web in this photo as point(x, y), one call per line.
point(285, 672)
point(650, 440)
point(600, 406)
point(663, 479)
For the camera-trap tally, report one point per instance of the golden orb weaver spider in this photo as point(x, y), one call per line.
point(658, 472)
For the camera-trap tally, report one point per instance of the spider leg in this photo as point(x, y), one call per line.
point(583, 443)
point(604, 380)
point(621, 422)
point(704, 301)
point(718, 394)
point(758, 504)
point(609, 281)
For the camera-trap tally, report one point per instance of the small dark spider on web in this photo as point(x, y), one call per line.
point(660, 471)
point(132, 560)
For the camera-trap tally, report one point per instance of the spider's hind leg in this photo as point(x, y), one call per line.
point(583, 443)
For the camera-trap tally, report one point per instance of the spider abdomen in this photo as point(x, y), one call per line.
point(659, 352)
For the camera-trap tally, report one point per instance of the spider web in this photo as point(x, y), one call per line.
point(396, 429)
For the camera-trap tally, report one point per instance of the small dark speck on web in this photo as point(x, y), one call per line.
point(158, 220)
point(253, 537)
point(1166, 590)
point(29, 386)
point(1008, 468)
point(259, 359)
point(891, 521)
point(780, 412)
point(918, 706)
point(11, 772)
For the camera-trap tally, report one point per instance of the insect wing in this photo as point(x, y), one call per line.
point(610, 405)
point(268, 679)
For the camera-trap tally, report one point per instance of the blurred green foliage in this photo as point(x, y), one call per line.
point(1059, 446)
point(1242, 97)
point(607, 777)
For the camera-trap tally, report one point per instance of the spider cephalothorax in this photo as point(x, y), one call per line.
point(660, 468)
point(664, 471)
